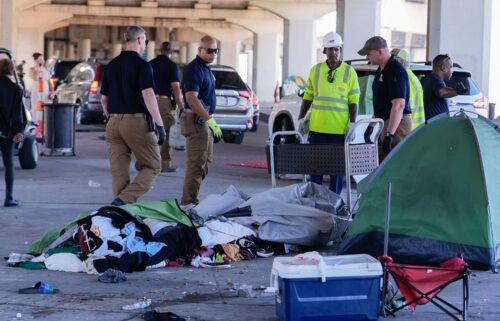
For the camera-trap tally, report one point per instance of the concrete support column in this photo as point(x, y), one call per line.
point(250, 67)
point(29, 40)
point(116, 48)
point(230, 53)
point(299, 47)
point(70, 50)
point(7, 24)
point(151, 50)
point(192, 51)
point(84, 46)
point(50, 49)
point(183, 54)
point(494, 90)
point(162, 35)
point(266, 62)
point(357, 20)
point(469, 47)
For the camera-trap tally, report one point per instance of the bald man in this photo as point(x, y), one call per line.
point(197, 124)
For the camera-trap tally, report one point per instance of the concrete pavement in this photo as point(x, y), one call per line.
point(62, 187)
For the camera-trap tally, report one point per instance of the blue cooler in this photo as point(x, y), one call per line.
point(350, 291)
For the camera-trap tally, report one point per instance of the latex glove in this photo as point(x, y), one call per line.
point(161, 133)
point(18, 138)
point(387, 143)
point(368, 133)
point(351, 129)
point(302, 126)
point(216, 131)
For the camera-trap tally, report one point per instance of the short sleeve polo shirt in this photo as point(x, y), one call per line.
point(165, 72)
point(390, 83)
point(433, 103)
point(198, 77)
point(125, 78)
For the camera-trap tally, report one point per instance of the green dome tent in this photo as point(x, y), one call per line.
point(445, 196)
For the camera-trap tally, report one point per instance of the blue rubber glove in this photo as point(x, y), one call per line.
point(387, 143)
point(216, 131)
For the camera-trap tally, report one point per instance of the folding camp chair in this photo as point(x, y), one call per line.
point(422, 284)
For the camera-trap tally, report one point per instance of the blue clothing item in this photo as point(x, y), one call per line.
point(390, 83)
point(433, 103)
point(198, 77)
point(320, 138)
point(125, 78)
point(165, 72)
point(136, 244)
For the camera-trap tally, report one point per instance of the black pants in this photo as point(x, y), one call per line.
point(7, 148)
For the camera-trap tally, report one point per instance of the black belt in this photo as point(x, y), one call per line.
point(137, 115)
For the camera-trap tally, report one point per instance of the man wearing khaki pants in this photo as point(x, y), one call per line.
point(129, 101)
point(197, 124)
point(166, 75)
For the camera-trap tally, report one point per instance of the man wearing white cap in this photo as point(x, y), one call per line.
point(332, 94)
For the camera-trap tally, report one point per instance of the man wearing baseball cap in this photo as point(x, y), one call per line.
point(391, 94)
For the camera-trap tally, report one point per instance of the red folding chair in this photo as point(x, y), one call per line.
point(422, 284)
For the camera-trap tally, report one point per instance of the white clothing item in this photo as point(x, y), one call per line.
point(217, 232)
point(66, 262)
point(103, 228)
point(103, 250)
point(156, 225)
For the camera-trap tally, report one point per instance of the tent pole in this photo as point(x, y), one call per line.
point(387, 219)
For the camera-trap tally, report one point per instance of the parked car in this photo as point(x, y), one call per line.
point(284, 115)
point(237, 106)
point(27, 150)
point(82, 87)
point(58, 69)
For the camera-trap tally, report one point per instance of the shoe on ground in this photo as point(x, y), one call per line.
point(267, 252)
point(118, 202)
point(187, 207)
point(169, 170)
point(9, 202)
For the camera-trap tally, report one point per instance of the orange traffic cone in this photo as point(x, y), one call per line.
point(277, 92)
point(39, 111)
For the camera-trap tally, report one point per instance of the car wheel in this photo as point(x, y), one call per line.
point(284, 124)
point(231, 138)
point(28, 154)
point(255, 125)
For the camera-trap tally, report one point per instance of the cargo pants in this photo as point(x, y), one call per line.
point(402, 131)
point(128, 134)
point(199, 155)
point(168, 117)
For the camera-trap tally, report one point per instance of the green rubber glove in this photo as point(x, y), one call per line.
point(216, 131)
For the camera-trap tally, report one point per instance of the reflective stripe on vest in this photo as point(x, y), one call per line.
point(416, 100)
point(330, 106)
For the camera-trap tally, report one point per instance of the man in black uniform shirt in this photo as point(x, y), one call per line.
point(129, 101)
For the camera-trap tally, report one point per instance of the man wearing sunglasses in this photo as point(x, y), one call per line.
point(128, 99)
point(391, 95)
point(197, 124)
point(332, 94)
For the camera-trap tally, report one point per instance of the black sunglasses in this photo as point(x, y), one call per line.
point(146, 41)
point(331, 75)
point(211, 50)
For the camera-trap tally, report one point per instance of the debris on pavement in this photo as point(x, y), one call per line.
point(144, 303)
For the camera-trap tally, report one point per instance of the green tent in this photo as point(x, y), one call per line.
point(445, 196)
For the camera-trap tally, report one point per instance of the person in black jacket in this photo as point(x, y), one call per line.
point(11, 124)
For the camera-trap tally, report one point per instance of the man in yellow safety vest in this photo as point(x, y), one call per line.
point(332, 94)
point(416, 91)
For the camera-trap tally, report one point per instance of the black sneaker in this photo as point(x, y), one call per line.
point(118, 202)
point(9, 202)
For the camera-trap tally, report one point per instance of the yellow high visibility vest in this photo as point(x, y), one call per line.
point(330, 101)
point(416, 100)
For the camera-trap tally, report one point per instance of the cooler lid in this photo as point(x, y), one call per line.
point(335, 266)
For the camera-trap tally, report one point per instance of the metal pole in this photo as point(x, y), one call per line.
point(491, 111)
point(387, 219)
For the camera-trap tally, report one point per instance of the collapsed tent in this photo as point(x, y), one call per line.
point(445, 197)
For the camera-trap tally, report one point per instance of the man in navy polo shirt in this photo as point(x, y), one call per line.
point(391, 92)
point(197, 124)
point(435, 90)
point(166, 75)
point(127, 99)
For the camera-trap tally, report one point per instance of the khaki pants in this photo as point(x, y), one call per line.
point(168, 117)
point(403, 129)
point(126, 134)
point(199, 150)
